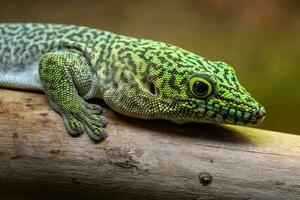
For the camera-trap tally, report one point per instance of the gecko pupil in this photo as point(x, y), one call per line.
point(200, 88)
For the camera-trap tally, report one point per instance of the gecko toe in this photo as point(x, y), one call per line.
point(96, 133)
point(93, 108)
point(98, 120)
point(73, 126)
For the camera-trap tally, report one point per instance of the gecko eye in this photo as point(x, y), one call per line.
point(200, 88)
point(201, 85)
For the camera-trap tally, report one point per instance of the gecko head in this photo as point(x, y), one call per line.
point(216, 96)
point(167, 82)
point(183, 87)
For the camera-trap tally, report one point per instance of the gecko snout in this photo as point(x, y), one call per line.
point(258, 116)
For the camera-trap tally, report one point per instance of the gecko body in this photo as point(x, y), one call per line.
point(136, 77)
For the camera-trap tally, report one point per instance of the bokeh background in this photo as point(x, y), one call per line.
point(261, 39)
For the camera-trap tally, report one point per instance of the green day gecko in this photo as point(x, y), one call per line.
point(135, 77)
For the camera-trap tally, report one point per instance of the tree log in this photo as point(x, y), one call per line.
point(140, 159)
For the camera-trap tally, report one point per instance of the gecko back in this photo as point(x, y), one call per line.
point(21, 47)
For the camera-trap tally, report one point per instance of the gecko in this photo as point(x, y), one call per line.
point(140, 78)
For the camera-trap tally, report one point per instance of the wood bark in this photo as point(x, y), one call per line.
point(140, 159)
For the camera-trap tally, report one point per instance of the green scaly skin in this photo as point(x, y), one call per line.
point(135, 77)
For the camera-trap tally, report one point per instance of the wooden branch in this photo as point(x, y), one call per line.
point(140, 159)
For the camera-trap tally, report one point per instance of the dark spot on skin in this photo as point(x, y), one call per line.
point(15, 135)
point(44, 114)
point(205, 178)
point(211, 160)
point(54, 151)
point(51, 61)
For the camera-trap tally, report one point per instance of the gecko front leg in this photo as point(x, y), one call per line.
point(66, 77)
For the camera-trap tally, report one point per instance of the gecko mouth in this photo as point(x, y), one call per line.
point(206, 112)
point(214, 113)
point(201, 111)
point(238, 117)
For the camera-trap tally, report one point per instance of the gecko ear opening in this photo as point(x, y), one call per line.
point(152, 89)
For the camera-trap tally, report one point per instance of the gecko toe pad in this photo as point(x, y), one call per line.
point(73, 126)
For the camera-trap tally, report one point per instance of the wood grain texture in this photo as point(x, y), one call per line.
point(140, 159)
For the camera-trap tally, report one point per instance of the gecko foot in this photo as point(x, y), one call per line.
point(84, 117)
point(93, 123)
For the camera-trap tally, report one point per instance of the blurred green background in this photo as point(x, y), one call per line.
point(260, 38)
